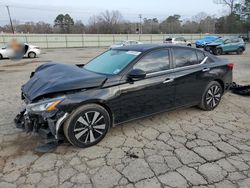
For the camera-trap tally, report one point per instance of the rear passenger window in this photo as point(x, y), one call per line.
point(185, 57)
point(154, 61)
point(201, 56)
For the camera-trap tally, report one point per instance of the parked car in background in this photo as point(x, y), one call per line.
point(246, 37)
point(122, 84)
point(125, 43)
point(226, 45)
point(205, 40)
point(178, 40)
point(29, 51)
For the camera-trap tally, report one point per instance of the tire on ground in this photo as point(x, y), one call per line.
point(69, 125)
point(203, 104)
point(31, 54)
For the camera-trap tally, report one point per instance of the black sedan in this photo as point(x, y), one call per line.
point(81, 102)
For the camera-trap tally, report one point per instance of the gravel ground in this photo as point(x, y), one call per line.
point(183, 148)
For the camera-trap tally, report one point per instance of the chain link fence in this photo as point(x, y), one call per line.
point(92, 40)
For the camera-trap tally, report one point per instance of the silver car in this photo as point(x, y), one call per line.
point(125, 43)
point(178, 41)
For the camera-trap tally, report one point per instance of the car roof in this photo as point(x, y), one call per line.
point(146, 47)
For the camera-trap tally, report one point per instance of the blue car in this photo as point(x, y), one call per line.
point(205, 40)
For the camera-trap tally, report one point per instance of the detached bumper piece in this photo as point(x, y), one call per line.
point(240, 90)
point(44, 126)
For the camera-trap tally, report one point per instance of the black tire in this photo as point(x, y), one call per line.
point(81, 131)
point(211, 96)
point(240, 51)
point(32, 55)
point(207, 48)
point(1, 57)
point(218, 51)
point(189, 45)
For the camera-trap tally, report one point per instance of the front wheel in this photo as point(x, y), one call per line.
point(218, 51)
point(211, 96)
point(207, 48)
point(87, 125)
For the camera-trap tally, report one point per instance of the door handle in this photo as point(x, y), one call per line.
point(168, 80)
point(206, 69)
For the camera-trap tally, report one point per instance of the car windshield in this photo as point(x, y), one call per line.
point(111, 62)
point(220, 40)
point(209, 38)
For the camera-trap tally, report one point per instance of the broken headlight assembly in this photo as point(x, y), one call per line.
point(44, 106)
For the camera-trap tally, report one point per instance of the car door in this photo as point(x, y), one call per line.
point(188, 76)
point(153, 94)
point(228, 45)
point(235, 44)
point(182, 41)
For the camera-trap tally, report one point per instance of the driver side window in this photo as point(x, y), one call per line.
point(154, 61)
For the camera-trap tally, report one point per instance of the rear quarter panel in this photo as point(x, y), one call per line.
point(220, 72)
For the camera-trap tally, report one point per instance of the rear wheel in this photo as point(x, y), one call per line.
point(87, 125)
point(211, 96)
point(31, 54)
point(240, 51)
point(1, 57)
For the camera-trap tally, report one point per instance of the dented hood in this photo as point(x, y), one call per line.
point(54, 78)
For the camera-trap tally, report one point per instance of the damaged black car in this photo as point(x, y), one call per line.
point(79, 103)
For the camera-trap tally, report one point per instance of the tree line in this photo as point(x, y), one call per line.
point(113, 22)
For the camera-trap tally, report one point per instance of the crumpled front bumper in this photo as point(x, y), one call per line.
point(47, 125)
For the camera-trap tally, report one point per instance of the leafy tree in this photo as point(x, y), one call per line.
point(171, 25)
point(64, 22)
point(151, 25)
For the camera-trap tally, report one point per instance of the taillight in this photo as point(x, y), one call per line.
point(230, 65)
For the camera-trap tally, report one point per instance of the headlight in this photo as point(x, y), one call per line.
point(47, 105)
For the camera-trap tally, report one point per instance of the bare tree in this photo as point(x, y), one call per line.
point(230, 3)
point(110, 21)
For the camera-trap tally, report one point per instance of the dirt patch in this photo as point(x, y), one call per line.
point(21, 145)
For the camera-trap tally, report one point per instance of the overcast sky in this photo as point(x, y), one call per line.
point(47, 10)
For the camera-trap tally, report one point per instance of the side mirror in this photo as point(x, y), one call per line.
point(136, 74)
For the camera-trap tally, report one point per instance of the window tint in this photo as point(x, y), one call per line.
point(168, 39)
point(235, 40)
point(201, 56)
point(154, 61)
point(133, 42)
point(185, 57)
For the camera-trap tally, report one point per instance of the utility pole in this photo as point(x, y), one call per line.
point(12, 28)
point(140, 16)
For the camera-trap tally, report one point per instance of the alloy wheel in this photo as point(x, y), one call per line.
point(89, 127)
point(213, 96)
